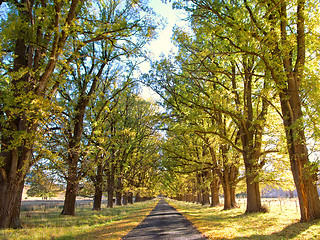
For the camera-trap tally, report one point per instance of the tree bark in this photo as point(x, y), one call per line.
point(12, 174)
point(118, 198)
point(97, 200)
point(205, 174)
point(130, 197)
point(304, 172)
point(119, 192)
point(10, 205)
point(110, 189)
point(69, 207)
point(125, 198)
point(138, 197)
point(98, 182)
point(214, 186)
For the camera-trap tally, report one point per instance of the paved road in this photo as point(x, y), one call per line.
point(164, 222)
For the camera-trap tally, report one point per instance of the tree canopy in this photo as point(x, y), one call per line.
point(238, 103)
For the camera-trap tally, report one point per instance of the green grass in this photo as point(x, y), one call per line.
point(87, 224)
point(282, 222)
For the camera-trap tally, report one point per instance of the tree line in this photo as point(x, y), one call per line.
point(242, 68)
point(69, 100)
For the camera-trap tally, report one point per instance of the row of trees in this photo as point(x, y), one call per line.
point(68, 98)
point(239, 64)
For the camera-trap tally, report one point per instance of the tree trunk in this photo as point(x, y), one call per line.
point(226, 196)
point(138, 197)
point(205, 197)
point(205, 174)
point(110, 182)
point(12, 175)
point(304, 172)
point(214, 186)
point(69, 207)
point(110, 192)
point(199, 197)
point(130, 197)
point(98, 182)
point(118, 198)
point(10, 201)
point(233, 196)
point(97, 199)
point(125, 198)
point(253, 190)
point(119, 192)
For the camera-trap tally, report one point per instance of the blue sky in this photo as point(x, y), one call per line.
point(163, 43)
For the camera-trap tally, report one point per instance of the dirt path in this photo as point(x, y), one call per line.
point(164, 222)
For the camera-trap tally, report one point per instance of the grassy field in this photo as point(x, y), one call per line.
point(87, 224)
point(282, 222)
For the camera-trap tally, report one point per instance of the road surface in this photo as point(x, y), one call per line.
point(164, 222)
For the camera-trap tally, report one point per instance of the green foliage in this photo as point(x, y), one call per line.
point(42, 182)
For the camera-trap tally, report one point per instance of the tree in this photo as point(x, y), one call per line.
point(42, 182)
point(33, 37)
point(281, 43)
point(114, 27)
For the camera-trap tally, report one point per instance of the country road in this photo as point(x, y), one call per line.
point(164, 222)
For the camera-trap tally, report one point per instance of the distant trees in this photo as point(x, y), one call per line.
point(42, 182)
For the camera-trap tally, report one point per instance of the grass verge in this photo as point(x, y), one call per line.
point(87, 224)
point(234, 224)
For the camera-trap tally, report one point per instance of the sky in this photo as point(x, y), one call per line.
point(163, 43)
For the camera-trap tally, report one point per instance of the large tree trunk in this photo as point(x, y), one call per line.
point(304, 172)
point(17, 163)
point(226, 196)
point(130, 197)
point(10, 200)
point(69, 207)
point(205, 197)
point(228, 174)
point(205, 174)
point(110, 192)
point(215, 186)
point(233, 196)
point(138, 197)
point(125, 198)
point(97, 200)
point(110, 172)
point(119, 192)
point(253, 190)
point(118, 198)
